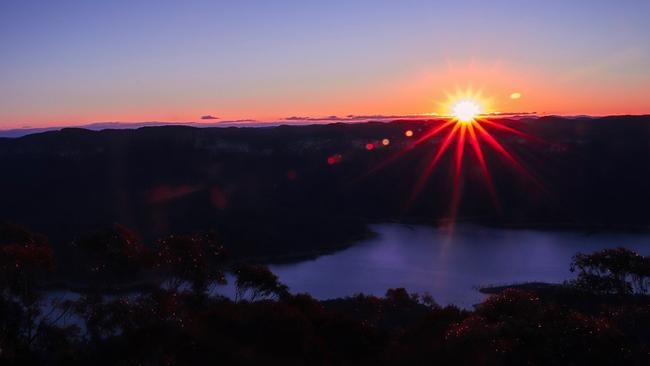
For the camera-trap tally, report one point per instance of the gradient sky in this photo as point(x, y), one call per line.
point(68, 62)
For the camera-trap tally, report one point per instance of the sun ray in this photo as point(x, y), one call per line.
point(458, 163)
point(460, 150)
point(468, 127)
point(476, 146)
point(501, 150)
point(432, 133)
point(409, 147)
point(427, 171)
point(507, 129)
point(497, 146)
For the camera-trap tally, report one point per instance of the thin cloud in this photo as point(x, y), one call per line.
point(209, 116)
point(355, 118)
point(238, 121)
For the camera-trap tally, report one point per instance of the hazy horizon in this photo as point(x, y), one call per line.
point(217, 122)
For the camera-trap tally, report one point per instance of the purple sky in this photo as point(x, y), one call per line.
point(77, 61)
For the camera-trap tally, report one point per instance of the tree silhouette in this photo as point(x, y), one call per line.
point(115, 253)
point(612, 271)
point(198, 259)
point(24, 258)
point(257, 282)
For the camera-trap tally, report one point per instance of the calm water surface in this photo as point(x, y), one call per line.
point(448, 265)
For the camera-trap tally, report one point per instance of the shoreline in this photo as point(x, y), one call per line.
point(531, 225)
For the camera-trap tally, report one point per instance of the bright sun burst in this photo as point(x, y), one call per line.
point(466, 110)
point(468, 127)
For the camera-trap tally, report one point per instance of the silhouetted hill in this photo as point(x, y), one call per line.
point(270, 191)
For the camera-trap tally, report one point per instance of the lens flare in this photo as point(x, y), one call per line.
point(467, 127)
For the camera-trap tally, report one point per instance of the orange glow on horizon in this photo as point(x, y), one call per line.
point(512, 87)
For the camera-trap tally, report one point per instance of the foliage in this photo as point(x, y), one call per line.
point(612, 271)
point(269, 325)
point(113, 253)
point(257, 282)
point(198, 259)
point(23, 257)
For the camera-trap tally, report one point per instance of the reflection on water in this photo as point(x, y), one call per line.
point(449, 266)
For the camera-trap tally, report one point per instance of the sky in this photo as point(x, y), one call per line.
point(70, 62)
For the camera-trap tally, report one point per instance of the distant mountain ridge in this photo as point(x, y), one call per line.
point(99, 126)
point(310, 187)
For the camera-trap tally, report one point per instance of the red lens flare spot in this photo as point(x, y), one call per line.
point(334, 159)
point(167, 193)
point(370, 146)
point(218, 198)
point(292, 175)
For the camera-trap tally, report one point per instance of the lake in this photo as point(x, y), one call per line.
point(448, 264)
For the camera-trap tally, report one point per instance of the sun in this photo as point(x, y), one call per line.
point(465, 105)
point(466, 110)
